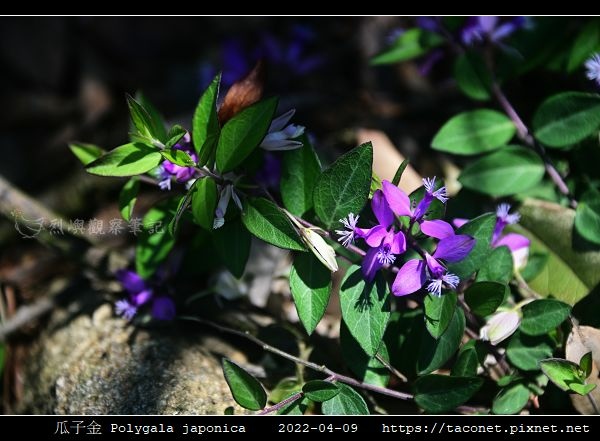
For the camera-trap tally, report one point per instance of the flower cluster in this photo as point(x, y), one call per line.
point(142, 294)
point(167, 170)
point(390, 238)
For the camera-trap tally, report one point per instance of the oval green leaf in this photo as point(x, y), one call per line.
point(474, 132)
point(441, 393)
point(346, 402)
point(508, 171)
point(365, 308)
point(485, 297)
point(511, 399)
point(267, 222)
point(232, 242)
point(439, 312)
point(128, 196)
point(86, 153)
point(434, 353)
point(498, 266)
point(525, 351)
point(204, 202)
point(319, 390)
point(567, 118)
point(472, 76)
point(344, 187)
point(544, 315)
point(242, 133)
point(300, 170)
point(411, 44)
point(246, 390)
point(481, 228)
point(310, 283)
point(587, 217)
point(126, 160)
point(205, 124)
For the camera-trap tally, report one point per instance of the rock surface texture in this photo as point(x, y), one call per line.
point(100, 364)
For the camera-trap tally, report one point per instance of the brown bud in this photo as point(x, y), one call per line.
point(243, 93)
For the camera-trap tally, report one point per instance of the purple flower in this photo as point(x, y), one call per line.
point(348, 235)
point(163, 308)
point(281, 134)
point(516, 243)
point(490, 28)
point(592, 66)
point(415, 273)
point(169, 170)
point(400, 203)
point(141, 293)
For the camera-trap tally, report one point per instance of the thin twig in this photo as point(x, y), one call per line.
point(282, 403)
point(319, 368)
point(391, 368)
point(525, 135)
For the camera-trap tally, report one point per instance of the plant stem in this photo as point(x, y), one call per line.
point(524, 134)
point(333, 376)
point(282, 403)
point(391, 368)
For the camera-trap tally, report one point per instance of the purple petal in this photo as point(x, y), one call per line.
point(131, 281)
point(371, 264)
point(141, 297)
point(410, 278)
point(397, 242)
point(423, 206)
point(437, 228)
point(373, 236)
point(435, 267)
point(163, 308)
point(381, 209)
point(454, 248)
point(459, 222)
point(397, 199)
point(488, 23)
point(513, 241)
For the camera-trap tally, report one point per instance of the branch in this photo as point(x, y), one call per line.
point(525, 135)
point(333, 376)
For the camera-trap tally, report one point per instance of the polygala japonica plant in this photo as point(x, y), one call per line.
point(455, 314)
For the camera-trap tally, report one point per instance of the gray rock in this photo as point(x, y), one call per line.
point(103, 365)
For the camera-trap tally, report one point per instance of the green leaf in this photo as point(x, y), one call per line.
point(232, 242)
point(183, 205)
point(587, 216)
point(174, 136)
point(586, 43)
point(156, 121)
point(246, 390)
point(470, 356)
point(582, 389)
point(366, 368)
point(267, 222)
point(411, 44)
point(485, 297)
point(474, 132)
point(154, 241)
point(586, 364)
point(178, 157)
point(310, 283)
point(285, 388)
point(511, 399)
point(344, 187)
point(300, 170)
point(542, 316)
point(570, 273)
point(497, 267)
point(472, 76)
point(508, 171)
point(435, 353)
point(86, 153)
point(205, 124)
point(242, 134)
point(319, 391)
point(346, 402)
point(365, 308)
point(567, 118)
point(399, 172)
point(525, 351)
point(535, 264)
point(126, 160)
point(441, 393)
point(204, 202)
point(439, 312)
point(127, 197)
point(297, 407)
point(561, 372)
point(481, 228)
point(143, 123)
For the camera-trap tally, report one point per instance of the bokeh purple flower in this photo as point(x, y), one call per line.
point(592, 66)
point(490, 28)
point(141, 293)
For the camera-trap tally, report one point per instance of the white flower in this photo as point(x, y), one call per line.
point(500, 326)
point(280, 135)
